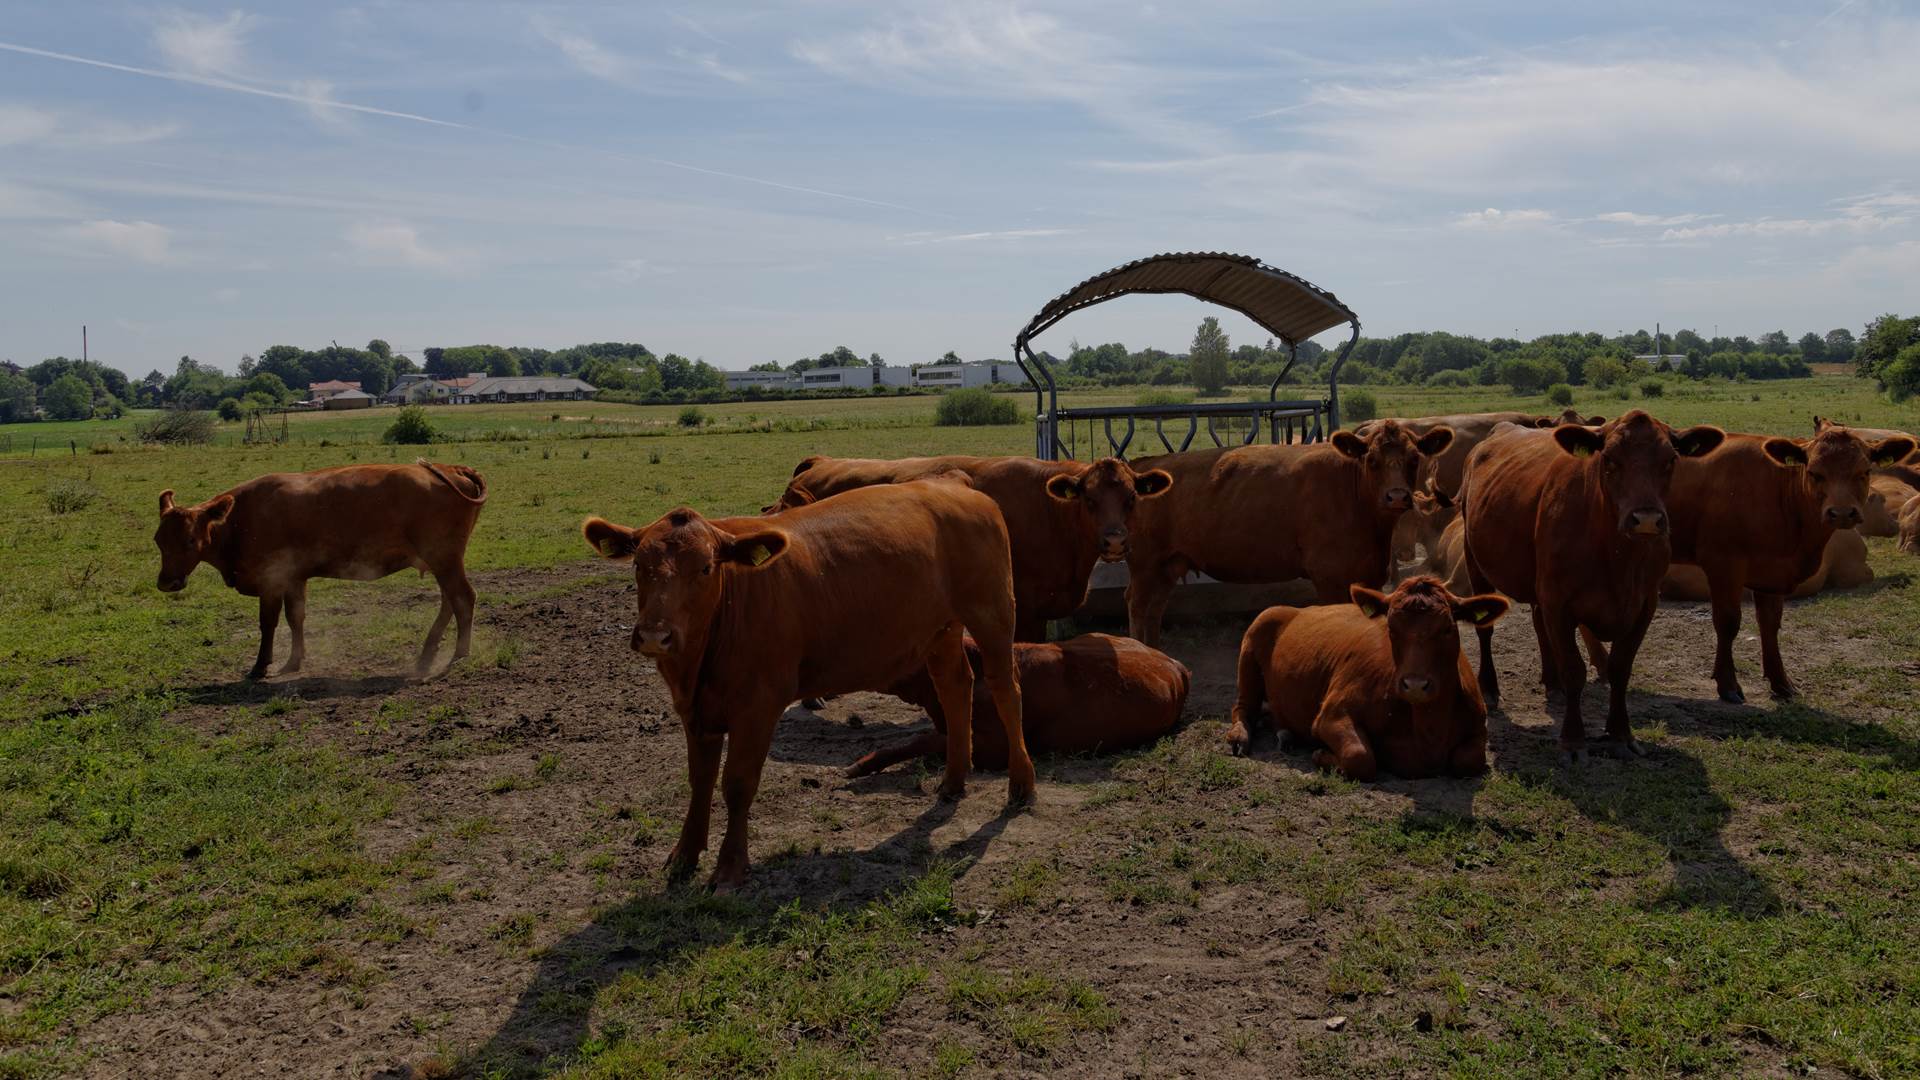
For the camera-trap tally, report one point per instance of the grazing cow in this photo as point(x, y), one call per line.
point(1380, 683)
point(1842, 566)
point(359, 522)
point(1758, 515)
point(1573, 521)
point(743, 616)
point(1255, 514)
point(1086, 695)
point(1062, 516)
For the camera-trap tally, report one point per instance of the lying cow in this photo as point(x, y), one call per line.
point(1887, 496)
point(1910, 527)
point(1256, 514)
point(1574, 522)
point(1086, 695)
point(268, 536)
point(743, 616)
point(1062, 516)
point(1380, 683)
point(1759, 515)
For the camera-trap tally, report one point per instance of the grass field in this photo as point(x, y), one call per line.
point(1570, 925)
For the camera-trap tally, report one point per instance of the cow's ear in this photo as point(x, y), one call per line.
point(1543, 422)
point(1349, 444)
point(1371, 601)
point(1483, 610)
point(1578, 441)
point(1785, 452)
point(1152, 482)
point(1698, 441)
point(1595, 421)
point(612, 541)
point(216, 509)
point(754, 549)
point(1064, 486)
point(1434, 441)
point(166, 501)
point(1821, 423)
point(1441, 499)
point(1891, 450)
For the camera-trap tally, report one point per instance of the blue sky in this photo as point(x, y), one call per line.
point(745, 182)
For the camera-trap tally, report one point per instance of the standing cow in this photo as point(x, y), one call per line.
point(743, 616)
point(1256, 514)
point(1086, 695)
point(1380, 683)
point(1574, 522)
point(1760, 515)
point(1062, 517)
point(359, 522)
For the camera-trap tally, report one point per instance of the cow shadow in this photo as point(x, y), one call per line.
point(652, 931)
point(304, 687)
point(1666, 797)
point(1790, 722)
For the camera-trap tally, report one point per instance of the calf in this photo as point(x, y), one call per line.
point(1759, 515)
point(1256, 514)
point(1380, 683)
point(743, 616)
point(1574, 522)
point(1086, 695)
point(268, 536)
point(1062, 516)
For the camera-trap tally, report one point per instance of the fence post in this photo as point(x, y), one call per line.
point(73, 448)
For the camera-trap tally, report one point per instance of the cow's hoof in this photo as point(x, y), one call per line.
point(256, 674)
point(680, 869)
point(1785, 691)
point(952, 792)
point(726, 884)
point(812, 704)
point(1020, 798)
point(1238, 741)
point(1627, 748)
point(1734, 696)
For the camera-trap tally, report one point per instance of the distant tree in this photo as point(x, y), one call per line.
point(1776, 343)
point(874, 360)
point(676, 372)
point(1813, 348)
point(69, 398)
point(950, 357)
point(269, 386)
point(380, 348)
point(769, 365)
point(1882, 341)
point(1840, 346)
point(17, 394)
point(287, 362)
point(1207, 357)
point(229, 409)
point(1742, 343)
point(1685, 341)
point(433, 360)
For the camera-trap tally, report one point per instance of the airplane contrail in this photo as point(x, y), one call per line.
point(229, 85)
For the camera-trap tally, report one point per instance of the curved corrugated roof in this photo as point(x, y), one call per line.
point(1291, 307)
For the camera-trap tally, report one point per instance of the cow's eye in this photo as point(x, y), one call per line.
point(707, 569)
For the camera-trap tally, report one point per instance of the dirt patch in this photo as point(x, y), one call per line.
point(539, 789)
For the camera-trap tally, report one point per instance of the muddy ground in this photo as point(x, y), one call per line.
point(515, 777)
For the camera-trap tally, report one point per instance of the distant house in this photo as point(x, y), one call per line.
point(976, 373)
point(765, 380)
point(852, 377)
point(417, 389)
point(492, 389)
point(347, 399)
point(1663, 361)
point(321, 391)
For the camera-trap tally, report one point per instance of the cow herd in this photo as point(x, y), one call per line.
point(934, 579)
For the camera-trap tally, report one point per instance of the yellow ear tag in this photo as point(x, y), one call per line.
point(759, 554)
point(1481, 614)
point(606, 548)
point(1583, 451)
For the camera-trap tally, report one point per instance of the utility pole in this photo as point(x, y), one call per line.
point(83, 342)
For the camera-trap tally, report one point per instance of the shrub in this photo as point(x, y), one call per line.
point(1530, 375)
point(410, 427)
point(691, 416)
point(1653, 388)
point(1357, 406)
point(1560, 394)
point(1604, 371)
point(177, 427)
point(1901, 375)
point(229, 409)
point(1450, 377)
point(67, 496)
point(975, 407)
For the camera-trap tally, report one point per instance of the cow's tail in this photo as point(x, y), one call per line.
point(470, 475)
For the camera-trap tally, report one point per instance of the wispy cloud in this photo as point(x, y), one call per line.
point(583, 52)
point(1629, 217)
point(20, 124)
point(974, 237)
point(141, 241)
point(388, 242)
point(203, 45)
point(1493, 218)
point(709, 62)
point(21, 203)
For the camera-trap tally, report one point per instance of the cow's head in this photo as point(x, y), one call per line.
point(1634, 457)
point(1420, 616)
point(185, 535)
point(1432, 510)
point(1389, 456)
point(1838, 464)
point(679, 563)
point(1108, 489)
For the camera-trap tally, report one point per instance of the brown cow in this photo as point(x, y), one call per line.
point(1443, 472)
point(359, 522)
point(1910, 527)
point(1842, 566)
point(744, 616)
point(1086, 695)
point(1380, 683)
point(1873, 434)
point(1419, 530)
point(1887, 496)
point(1255, 514)
point(1574, 522)
point(1758, 515)
point(1062, 516)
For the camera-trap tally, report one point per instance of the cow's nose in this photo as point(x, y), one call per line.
point(1416, 687)
point(167, 584)
point(1843, 517)
point(1113, 544)
point(1647, 522)
point(652, 641)
point(1399, 499)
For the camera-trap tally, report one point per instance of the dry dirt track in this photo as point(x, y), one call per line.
point(1247, 958)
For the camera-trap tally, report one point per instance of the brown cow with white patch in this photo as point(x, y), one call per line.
point(1380, 683)
point(1759, 515)
point(1091, 694)
point(1257, 514)
point(1574, 521)
point(1062, 516)
point(743, 616)
point(268, 536)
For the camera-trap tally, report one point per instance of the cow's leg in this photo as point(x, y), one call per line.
point(269, 621)
point(1549, 671)
point(1596, 653)
point(953, 683)
point(1725, 588)
point(462, 597)
point(1768, 608)
point(747, 746)
point(1562, 641)
point(1346, 750)
point(1149, 588)
point(1470, 757)
point(1489, 678)
point(425, 663)
point(922, 745)
point(703, 767)
point(996, 657)
point(1620, 668)
point(297, 625)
